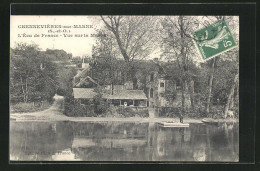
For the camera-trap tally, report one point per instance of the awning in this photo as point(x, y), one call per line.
point(128, 94)
point(88, 93)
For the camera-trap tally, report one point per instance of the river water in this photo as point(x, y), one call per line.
point(119, 141)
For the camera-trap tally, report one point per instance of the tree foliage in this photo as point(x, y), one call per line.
point(32, 75)
point(134, 36)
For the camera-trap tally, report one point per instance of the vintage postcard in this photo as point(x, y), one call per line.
point(124, 88)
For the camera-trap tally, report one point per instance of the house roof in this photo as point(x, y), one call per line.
point(127, 94)
point(84, 93)
point(82, 81)
point(83, 73)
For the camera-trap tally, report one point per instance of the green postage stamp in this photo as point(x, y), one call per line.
point(213, 40)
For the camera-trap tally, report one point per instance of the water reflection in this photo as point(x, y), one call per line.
point(117, 141)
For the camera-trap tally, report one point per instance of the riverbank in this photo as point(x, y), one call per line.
point(42, 116)
point(54, 113)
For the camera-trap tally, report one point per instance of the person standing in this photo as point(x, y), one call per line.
point(181, 117)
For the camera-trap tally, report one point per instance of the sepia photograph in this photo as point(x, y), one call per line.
point(124, 88)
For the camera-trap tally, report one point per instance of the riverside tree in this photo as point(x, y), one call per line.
point(103, 53)
point(134, 36)
point(177, 45)
point(233, 24)
point(32, 76)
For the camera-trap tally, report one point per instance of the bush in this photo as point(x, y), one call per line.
point(172, 112)
point(131, 112)
point(169, 112)
point(78, 110)
point(101, 108)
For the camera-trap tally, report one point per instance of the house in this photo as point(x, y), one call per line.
point(86, 63)
point(160, 87)
point(84, 86)
point(117, 93)
point(84, 82)
point(124, 97)
point(84, 96)
point(157, 88)
point(120, 96)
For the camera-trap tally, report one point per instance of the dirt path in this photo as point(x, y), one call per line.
point(52, 113)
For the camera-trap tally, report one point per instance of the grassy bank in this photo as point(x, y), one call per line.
point(29, 107)
point(50, 116)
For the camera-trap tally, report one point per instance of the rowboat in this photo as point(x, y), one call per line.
point(173, 124)
point(210, 121)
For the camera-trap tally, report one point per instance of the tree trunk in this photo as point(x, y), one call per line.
point(211, 77)
point(231, 105)
point(122, 50)
point(111, 75)
point(183, 55)
point(126, 58)
point(191, 92)
point(236, 97)
point(133, 77)
point(24, 95)
point(26, 90)
point(230, 95)
point(186, 86)
point(182, 96)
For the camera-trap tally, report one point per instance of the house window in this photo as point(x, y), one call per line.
point(161, 84)
point(151, 93)
point(152, 77)
point(119, 76)
point(84, 101)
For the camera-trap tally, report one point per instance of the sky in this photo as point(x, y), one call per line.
point(78, 46)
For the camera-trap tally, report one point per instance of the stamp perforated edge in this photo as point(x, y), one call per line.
point(197, 48)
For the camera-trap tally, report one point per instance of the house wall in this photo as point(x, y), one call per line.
point(158, 100)
point(85, 65)
point(152, 84)
point(160, 83)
